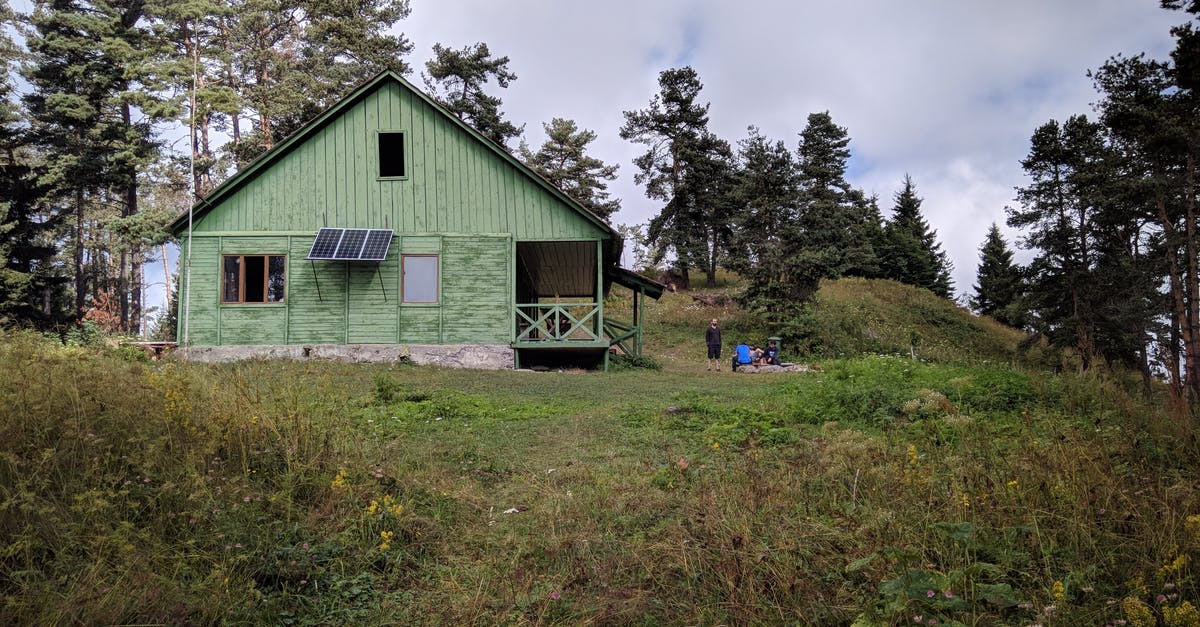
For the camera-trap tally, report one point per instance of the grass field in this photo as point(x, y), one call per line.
point(966, 486)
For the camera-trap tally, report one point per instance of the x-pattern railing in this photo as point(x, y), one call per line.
point(557, 322)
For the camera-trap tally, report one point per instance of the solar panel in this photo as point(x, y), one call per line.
point(376, 248)
point(325, 244)
point(351, 244)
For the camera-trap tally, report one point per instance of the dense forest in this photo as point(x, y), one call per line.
point(114, 117)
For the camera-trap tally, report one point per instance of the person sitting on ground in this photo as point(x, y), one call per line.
point(741, 356)
point(771, 355)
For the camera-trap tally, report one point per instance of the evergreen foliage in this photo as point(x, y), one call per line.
point(458, 78)
point(287, 60)
point(911, 251)
point(836, 223)
point(998, 288)
point(1059, 209)
point(564, 161)
point(31, 282)
point(687, 168)
point(762, 248)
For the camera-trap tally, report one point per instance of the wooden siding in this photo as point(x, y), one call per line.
point(476, 292)
point(455, 184)
point(202, 324)
point(334, 302)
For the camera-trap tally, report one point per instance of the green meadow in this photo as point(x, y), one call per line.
point(925, 471)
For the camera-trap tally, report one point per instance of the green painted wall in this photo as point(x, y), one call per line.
point(459, 200)
point(455, 183)
point(334, 302)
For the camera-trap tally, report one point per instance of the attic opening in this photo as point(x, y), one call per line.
point(391, 154)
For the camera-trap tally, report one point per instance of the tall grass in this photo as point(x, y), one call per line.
point(876, 490)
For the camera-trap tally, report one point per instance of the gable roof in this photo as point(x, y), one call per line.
point(268, 158)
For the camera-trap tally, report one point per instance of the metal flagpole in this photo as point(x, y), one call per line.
point(187, 298)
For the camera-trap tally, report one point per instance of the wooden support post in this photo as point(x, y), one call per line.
point(638, 303)
point(599, 322)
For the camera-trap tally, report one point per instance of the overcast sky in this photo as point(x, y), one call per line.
point(949, 91)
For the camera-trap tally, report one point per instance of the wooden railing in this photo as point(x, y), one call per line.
point(625, 336)
point(558, 322)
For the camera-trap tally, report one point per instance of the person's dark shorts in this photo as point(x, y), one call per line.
point(714, 351)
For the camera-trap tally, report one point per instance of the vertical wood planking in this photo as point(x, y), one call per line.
point(455, 184)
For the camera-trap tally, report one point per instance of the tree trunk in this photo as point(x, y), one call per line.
point(80, 278)
point(131, 292)
point(1180, 329)
point(710, 270)
point(1193, 284)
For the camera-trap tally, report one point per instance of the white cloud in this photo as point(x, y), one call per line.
point(948, 92)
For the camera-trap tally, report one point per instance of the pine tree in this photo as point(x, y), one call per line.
point(998, 288)
point(686, 167)
point(564, 161)
point(913, 254)
point(458, 78)
point(292, 59)
point(1066, 165)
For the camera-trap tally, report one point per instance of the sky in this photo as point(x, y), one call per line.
point(946, 91)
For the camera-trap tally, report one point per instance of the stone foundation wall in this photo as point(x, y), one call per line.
point(478, 356)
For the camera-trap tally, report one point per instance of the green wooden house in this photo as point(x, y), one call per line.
point(434, 244)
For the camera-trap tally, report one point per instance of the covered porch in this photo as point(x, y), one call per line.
point(559, 303)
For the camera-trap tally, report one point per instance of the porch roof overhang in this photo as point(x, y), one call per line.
point(635, 281)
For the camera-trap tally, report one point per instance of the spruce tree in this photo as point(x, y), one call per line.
point(835, 221)
point(95, 72)
point(564, 161)
point(458, 78)
point(912, 252)
point(32, 280)
point(998, 288)
point(761, 246)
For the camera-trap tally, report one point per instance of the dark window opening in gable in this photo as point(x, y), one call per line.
point(253, 278)
point(391, 155)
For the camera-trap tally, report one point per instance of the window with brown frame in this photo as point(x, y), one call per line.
point(252, 278)
point(420, 284)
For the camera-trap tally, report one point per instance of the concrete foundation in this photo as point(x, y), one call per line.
point(477, 356)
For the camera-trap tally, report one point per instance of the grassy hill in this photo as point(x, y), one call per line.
point(960, 487)
point(849, 317)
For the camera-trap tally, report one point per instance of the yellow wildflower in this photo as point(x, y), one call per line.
point(339, 482)
point(386, 537)
point(966, 500)
point(1186, 615)
point(1178, 564)
point(1013, 484)
point(716, 445)
point(1137, 613)
point(1059, 592)
point(373, 508)
point(1192, 524)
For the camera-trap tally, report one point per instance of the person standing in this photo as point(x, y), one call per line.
point(712, 337)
